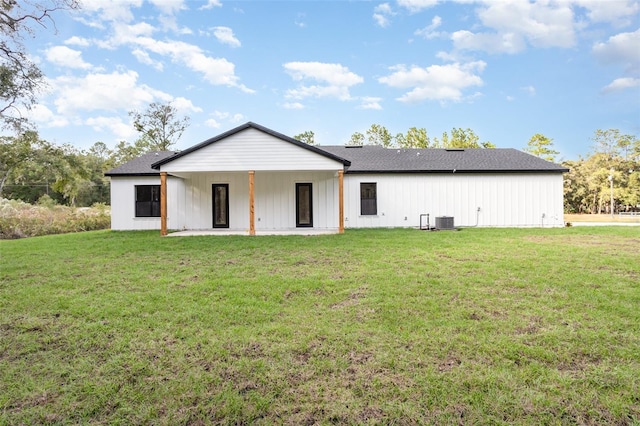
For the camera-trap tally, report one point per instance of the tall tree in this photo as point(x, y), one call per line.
point(614, 143)
point(462, 138)
point(414, 138)
point(15, 152)
point(307, 137)
point(379, 135)
point(357, 139)
point(20, 77)
point(159, 126)
point(541, 146)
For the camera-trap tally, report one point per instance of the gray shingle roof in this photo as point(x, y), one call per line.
point(370, 159)
point(375, 159)
point(140, 166)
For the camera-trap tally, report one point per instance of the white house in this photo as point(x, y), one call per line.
point(252, 179)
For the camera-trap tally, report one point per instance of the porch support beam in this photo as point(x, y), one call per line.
point(252, 219)
point(163, 203)
point(341, 201)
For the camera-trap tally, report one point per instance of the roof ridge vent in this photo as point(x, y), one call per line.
point(454, 149)
point(353, 146)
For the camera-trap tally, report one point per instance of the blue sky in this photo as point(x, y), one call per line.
point(507, 70)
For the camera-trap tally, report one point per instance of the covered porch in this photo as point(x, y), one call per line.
point(249, 202)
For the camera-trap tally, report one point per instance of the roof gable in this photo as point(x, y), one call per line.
point(233, 134)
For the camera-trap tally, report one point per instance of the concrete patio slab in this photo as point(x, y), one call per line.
point(222, 232)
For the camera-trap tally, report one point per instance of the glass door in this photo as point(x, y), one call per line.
point(220, 205)
point(304, 205)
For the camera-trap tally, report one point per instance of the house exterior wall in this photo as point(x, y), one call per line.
point(190, 203)
point(505, 200)
point(123, 196)
point(251, 149)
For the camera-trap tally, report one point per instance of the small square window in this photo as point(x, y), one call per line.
point(147, 200)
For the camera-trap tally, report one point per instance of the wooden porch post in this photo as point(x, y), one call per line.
point(341, 201)
point(163, 203)
point(252, 223)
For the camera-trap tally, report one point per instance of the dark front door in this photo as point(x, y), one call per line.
point(220, 205)
point(304, 205)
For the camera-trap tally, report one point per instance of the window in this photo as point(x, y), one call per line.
point(147, 200)
point(368, 199)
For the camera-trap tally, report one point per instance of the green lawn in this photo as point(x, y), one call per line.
point(481, 326)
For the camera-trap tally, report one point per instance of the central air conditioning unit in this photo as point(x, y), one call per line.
point(444, 222)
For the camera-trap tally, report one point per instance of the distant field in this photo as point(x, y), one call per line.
point(480, 326)
point(600, 218)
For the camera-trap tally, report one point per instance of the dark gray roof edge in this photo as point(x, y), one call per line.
point(256, 126)
point(132, 174)
point(457, 172)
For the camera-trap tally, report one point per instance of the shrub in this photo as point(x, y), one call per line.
point(46, 201)
point(19, 219)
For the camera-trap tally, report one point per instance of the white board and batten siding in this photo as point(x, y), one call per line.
point(505, 200)
point(198, 204)
point(123, 206)
point(251, 149)
point(274, 199)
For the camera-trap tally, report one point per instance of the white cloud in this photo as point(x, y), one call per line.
point(66, 57)
point(417, 5)
point(369, 102)
point(212, 123)
point(169, 7)
point(622, 48)
point(225, 36)
point(227, 116)
point(45, 117)
point(621, 84)
point(618, 12)
point(78, 41)
point(170, 23)
point(488, 42)
point(217, 71)
point(101, 91)
point(124, 34)
point(144, 58)
point(518, 23)
point(334, 80)
point(211, 4)
point(114, 125)
point(119, 11)
point(184, 105)
point(530, 90)
point(544, 24)
point(293, 105)
point(382, 13)
point(436, 82)
point(429, 31)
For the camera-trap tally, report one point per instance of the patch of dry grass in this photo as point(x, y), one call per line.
point(601, 218)
point(20, 220)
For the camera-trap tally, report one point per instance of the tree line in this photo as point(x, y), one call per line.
point(414, 137)
point(31, 167)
